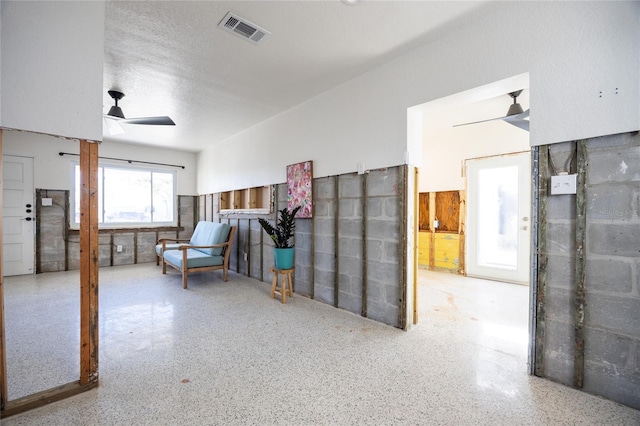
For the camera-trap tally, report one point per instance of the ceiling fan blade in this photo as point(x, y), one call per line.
point(522, 124)
point(476, 122)
point(153, 121)
point(112, 125)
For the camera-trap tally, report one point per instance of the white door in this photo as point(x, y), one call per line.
point(18, 215)
point(498, 217)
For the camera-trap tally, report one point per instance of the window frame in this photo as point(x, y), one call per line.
point(128, 167)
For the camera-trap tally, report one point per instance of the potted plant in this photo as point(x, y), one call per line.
point(281, 235)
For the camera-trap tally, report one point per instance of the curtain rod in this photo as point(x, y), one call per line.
point(128, 161)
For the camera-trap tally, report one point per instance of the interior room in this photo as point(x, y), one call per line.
point(126, 124)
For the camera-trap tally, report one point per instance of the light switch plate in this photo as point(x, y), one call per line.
point(564, 184)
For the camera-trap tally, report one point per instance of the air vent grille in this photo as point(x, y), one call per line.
point(242, 28)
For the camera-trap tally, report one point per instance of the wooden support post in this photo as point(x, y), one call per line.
point(364, 245)
point(88, 262)
point(581, 263)
point(416, 228)
point(462, 268)
point(312, 272)
point(248, 248)
point(3, 350)
point(432, 235)
point(404, 211)
point(542, 258)
point(336, 241)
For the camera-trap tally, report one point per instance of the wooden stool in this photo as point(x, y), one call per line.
point(285, 281)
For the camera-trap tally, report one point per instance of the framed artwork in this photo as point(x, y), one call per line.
point(300, 188)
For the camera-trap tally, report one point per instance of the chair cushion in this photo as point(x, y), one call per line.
point(209, 234)
point(195, 258)
point(172, 246)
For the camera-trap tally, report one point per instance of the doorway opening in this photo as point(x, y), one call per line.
point(470, 151)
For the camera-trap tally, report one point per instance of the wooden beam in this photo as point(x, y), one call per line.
point(39, 399)
point(542, 258)
point(416, 229)
point(581, 263)
point(88, 263)
point(364, 245)
point(3, 348)
point(336, 240)
point(404, 211)
point(461, 231)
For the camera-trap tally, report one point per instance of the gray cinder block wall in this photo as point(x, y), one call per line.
point(330, 255)
point(58, 247)
point(612, 283)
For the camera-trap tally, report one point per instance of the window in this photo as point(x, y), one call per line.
point(129, 196)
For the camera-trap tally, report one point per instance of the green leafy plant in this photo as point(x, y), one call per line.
point(284, 229)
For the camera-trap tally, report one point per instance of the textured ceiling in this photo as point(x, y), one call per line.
point(170, 58)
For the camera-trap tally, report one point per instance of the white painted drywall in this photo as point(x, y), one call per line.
point(572, 51)
point(52, 55)
point(52, 171)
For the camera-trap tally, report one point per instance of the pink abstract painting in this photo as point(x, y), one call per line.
point(300, 188)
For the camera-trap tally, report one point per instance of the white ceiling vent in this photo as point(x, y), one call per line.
point(243, 28)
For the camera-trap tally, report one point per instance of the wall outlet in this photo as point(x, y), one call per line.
point(119, 248)
point(245, 256)
point(564, 184)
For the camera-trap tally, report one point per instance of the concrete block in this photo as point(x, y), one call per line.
point(559, 304)
point(392, 207)
point(321, 209)
point(615, 202)
point(392, 294)
point(374, 207)
point(323, 293)
point(610, 275)
point(324, 261)
point(350, 186)
point(374, 250)
point(375, 291)
point(350, 208)
point(614, 312)
point(324, 188)
point(606, 347)
point(383, 229)
point(561, 271)
point(383, 182)
point(561, 238)
point(324, 244)
point(608, 381)
point(350, 247)
point(622, 140)
point(146, 247)
point(614, 239)
point(350, 302)
point(618, 164)
point(350, 266)
point(561, 207)
point(387, 314)
point(559, 351)
point(324, 227)
point(350, 228)
point(385, 273)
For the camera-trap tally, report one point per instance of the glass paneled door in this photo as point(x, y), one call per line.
point(498, 217)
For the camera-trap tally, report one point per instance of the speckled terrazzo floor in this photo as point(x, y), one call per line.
point(226, 354)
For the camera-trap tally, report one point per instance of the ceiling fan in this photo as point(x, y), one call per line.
point(515, 115)
point(115, 113)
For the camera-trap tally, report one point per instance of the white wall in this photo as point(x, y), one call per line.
point(572, 51)
point(51, 67)
point(52, 171)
